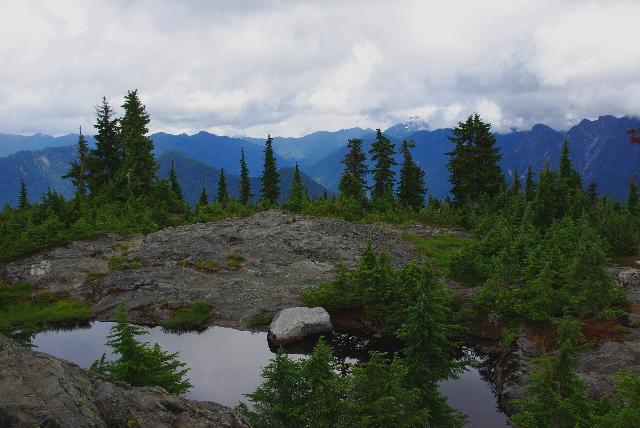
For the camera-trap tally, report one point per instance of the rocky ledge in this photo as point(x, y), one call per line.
point(40, 390)
point(245, 267)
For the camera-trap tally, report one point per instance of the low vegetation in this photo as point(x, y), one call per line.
point(437, 248)
point(23, 313)
point(191, 317)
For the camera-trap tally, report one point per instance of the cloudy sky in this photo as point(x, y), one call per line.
point(289, 68)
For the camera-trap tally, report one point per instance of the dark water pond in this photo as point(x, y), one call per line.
point(225, 363)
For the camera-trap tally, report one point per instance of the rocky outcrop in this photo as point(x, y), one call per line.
point(279, 253)
point(293, 324)
point(40, 390)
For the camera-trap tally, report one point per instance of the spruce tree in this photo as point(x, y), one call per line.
point(140, 166)
point(567, 174)
point(352, 182)
point(245, 184)
point(204, 198)
point(270, 175)
point(592, 192)
point(474, 168)
point(429, 354)
point(175, 185)
point(23, 199)
point(298, 195)
point(558, 396)
point(222, 195)
point(108, 156)
point(517, 186)
point(79, 171)
point(382, 151)
point(529, 184)
point(140, 364)
point(411, 188)
point(633, 200)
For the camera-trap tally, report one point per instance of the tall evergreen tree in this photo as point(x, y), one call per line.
point(567, 173)
point(298, 194)
point(474, 168)
point(23, 199)
point(108, 156)
point(633, 200)
point(79, 171)
point(204, 198)
point(245, 184)
point(529, 184)
point(352, 182)
point(411, 188)
point(517, 186)
point(223, 195)
point(382, 151)
point(175, 185)
point(270, 174)
point(429, 352)
point(592, 192)
point(140, 166)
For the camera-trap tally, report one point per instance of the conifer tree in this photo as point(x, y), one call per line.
point(474, 168)
point(382, 151)
point(352, 182)
point(411, 188)
point(140, 166)
point(325, 389)
point(107, 158)
point(517, 186)
point(429, 351)
point(79, 171)
point(222, 195)
point(529, 184)
point(633, 200)
point(175, 185)
point(298, 194)
point(204, 198)
point(592, 192)
point(140, 364)
point(558, 395)
point(23, 199)
point(567, 174)
point(245, 184)
point(270, 174)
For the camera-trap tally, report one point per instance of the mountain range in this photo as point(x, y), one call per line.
point(600, 151)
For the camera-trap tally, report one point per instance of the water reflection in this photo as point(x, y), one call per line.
point(226, 363)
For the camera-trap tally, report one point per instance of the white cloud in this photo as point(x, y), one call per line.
point(290, 67)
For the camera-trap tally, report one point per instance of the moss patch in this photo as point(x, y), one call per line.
point(190, 317)
point(235, 261)
point(23, 314)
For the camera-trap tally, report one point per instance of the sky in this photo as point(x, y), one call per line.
point(293, 67)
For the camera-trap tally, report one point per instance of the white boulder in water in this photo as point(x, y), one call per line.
point(292, 324)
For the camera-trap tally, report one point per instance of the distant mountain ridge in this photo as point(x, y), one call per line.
point(43, 170)
point(600, 150)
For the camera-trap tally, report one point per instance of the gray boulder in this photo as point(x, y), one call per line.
point(292, 324)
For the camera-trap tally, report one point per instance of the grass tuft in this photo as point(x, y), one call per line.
point(190, 317)
point(437, 248)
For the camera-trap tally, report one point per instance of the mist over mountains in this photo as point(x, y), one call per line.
point(600, 151)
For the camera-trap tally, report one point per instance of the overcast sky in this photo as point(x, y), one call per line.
point(290, 68)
